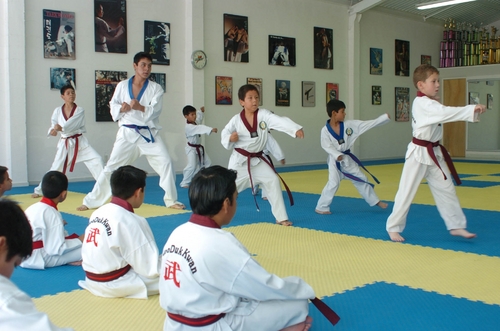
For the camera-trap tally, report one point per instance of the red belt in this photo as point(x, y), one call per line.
point(200, 154)
point(109, 276)
point(196, 322)
point(430, 149)
point(75, 153)
point(39, 244)
point(260, 155)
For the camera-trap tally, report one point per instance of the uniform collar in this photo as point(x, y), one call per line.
point(203, 221)
point(49, 202)
point(122, 203)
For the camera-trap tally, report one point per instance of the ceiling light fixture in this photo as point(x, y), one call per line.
point(435, 4)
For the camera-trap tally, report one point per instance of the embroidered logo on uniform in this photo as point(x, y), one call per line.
point(91, 238)
point(171, 269)
point(262, 125)
point(349, 131)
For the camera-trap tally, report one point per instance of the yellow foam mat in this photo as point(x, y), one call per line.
point(74, 200)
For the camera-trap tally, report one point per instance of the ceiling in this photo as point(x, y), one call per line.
point(479, 12)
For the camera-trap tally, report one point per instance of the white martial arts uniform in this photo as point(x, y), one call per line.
point(427, 116)
point(48, 230)
point(117, 237)
point(103, 31)
point(18, 312)
point(193, 133)
point(207, 271)
point(352, 130)
point(130, 144)
point(72, 136)
point(261, 172)
point(274, 149)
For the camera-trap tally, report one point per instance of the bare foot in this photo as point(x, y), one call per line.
point(382, 204)
point(34, 195)
point(285, 223)
point(304, 326)
point(264, 198)
point(76, 263)
point(82, 208)
point(395, 236)
point(179, 206)
point(185, 186)
point(322, 212)
point(462, 233)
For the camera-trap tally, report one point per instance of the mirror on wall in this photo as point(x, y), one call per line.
point(484, 137)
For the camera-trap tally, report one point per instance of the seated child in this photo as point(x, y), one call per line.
point(5, 181)
point(426, 158)
point(120, 255)
point(210, 279)
point(196, 156)
point(337, 138)
point(17, 310)
point(51, 244)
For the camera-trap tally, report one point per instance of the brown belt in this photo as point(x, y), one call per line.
point(109, 276)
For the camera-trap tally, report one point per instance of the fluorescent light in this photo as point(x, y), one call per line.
point(435, 4)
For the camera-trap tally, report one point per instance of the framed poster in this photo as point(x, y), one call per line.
point(282, 93)
point(159, 78)
point(425, 59)
point(402, 58)
point(235, 38)
point(376, 95)
point(332, 91)
point(105, 84)
point(282, 51)
point(157, 41)
point(402, 98)
point(110, 26)
point(474, 98)
point(308, 94)
point(58, 34)
point(258, 83)
point(323, 48)
point(489, 101)
point(223, 90)
point(60, 77)
point(376, 61)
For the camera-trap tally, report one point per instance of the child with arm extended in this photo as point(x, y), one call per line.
point(210, 279)
point(197, 158)
point(247, 134)
point(51, 244)
point(73, 147)
point(426, 158)
point(337, 138)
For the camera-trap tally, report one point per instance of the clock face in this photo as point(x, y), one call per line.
point(199, 59)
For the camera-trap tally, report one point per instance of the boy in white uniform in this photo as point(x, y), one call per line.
point(136, 105)
point(211, 282)
point(17, 310)
point(337, 138)
point(5, 181)
point(247, 134)
point(51, 244)
point(425, 157)
point(73, 147)
point(120, 256)
point(197, 158)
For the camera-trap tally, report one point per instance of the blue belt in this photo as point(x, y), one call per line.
point(137, 128)
point(355, 159)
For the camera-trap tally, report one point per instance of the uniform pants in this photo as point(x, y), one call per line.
point(125, 153)
point(193, 166)
point(442, 190)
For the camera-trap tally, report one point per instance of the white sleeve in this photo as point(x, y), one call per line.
point(226, 133)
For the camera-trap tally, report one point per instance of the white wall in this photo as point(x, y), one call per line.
point(485, 136)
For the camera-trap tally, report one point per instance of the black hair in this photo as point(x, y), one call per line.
point(142, 55)
point(16, 229)
point(242, 92)
point(334, 105)
point(209, 188)
point(188, 110)
point(68, 28)
point(66, 87)
point(3, 170)
point(53, 184)
point(126, 180)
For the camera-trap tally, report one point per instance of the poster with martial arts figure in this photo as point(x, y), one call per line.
point(402, 96)
point(110, 24)
point(282, 93)
point(282, 51)
point(157, 41)
point(332, 91)
point(105, 84)
point(160, 79)
point(223, 90)
point(323, 48)
point(60, 77)
point(58, 34)
point(235, 38)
